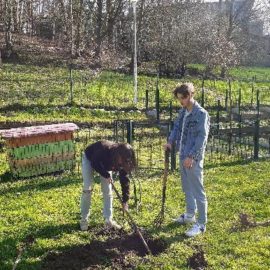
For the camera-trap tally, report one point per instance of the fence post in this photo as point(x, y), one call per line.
point(239, 112)
point(71, 84)
point(129, 131)
point(252, 92)
point(157, 99)
point(146, 99)
point(226, 100)
point(115, 130)
point(202, 101)
point(257, 128)
point(230, 119)
point(218, 115)
point(170, 111)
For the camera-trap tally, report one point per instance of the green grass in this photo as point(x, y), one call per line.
point(41, 94)
point(260, 73)
point(48, 208)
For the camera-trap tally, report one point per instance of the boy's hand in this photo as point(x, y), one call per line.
point(125, 206)
point(110, 180)
point(188, 163)
point(167, 146)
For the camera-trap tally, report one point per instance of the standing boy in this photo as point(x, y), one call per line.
point(190, 134)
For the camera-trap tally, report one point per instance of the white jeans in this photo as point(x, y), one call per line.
point(88, 182)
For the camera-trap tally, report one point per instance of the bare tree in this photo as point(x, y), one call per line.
point(8, 25)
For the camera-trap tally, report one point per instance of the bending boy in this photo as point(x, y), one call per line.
point(105, 157)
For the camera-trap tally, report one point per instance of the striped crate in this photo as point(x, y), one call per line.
point(40, 149)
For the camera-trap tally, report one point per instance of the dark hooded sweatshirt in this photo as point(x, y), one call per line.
point(100, 156)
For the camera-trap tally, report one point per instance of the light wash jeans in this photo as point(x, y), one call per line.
point(192, 185)
point(88, 182)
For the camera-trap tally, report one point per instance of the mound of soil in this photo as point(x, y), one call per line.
point(197, 261)
point(115, 251)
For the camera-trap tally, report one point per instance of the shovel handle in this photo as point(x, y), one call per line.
point(132, 221)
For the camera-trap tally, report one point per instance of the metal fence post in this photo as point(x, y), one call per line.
point(230, 119)
point(218, 115)
point(157, 100)
point(252, 92)
point(239, 112)
point(170, 111)
point(202, 99)
point(146, 99)
point(129, 131)
point(257, 128)
point(71, 84)
point(115, 130)
point(226, 100)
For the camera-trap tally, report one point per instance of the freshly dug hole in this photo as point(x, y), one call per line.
point(114, 251)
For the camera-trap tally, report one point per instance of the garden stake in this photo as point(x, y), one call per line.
point(131, 220)
point(160, 218)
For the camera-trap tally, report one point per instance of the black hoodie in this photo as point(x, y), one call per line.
point(100, 156)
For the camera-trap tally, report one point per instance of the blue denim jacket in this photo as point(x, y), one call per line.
point(195, 132)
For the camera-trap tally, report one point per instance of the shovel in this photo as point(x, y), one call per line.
point(160, 218)
point(131, 221)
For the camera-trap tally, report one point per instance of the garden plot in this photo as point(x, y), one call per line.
point(117, 251)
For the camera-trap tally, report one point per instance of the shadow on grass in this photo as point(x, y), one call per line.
point(8, 253)
point(11, 247)
point(233, 163)
point(40, 183)
point(167, 229)
point(18, 107)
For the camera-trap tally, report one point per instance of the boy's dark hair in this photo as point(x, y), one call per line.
point(185, 89)
point(126, 153)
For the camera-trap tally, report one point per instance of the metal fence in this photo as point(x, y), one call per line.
point(228, 141)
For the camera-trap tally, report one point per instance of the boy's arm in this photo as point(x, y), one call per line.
point(124, 181)
point(201, 138)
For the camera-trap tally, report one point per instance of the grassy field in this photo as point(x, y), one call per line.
point(39, 216)
point(33, 94)
point(47, 208)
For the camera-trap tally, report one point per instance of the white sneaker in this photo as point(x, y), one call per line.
point(185, 219)
point(84, 224)
point(196, 230)
point(112, 224)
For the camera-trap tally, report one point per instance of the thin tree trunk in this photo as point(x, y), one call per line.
point(109, 21)
point(98, 28)
point(8, 27)
point(79, 28)
point(71, 28)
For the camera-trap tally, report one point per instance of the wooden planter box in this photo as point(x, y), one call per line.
point(40, 149)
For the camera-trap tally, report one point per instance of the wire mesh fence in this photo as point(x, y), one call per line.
point(226, 143)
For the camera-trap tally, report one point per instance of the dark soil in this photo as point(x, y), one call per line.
point(114, 251)
point(197, 261)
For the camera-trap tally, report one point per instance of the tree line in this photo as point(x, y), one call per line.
point(170, 33)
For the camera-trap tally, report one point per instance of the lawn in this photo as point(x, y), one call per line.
point(39, 215)
point(31, 94)
point(47, 208)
